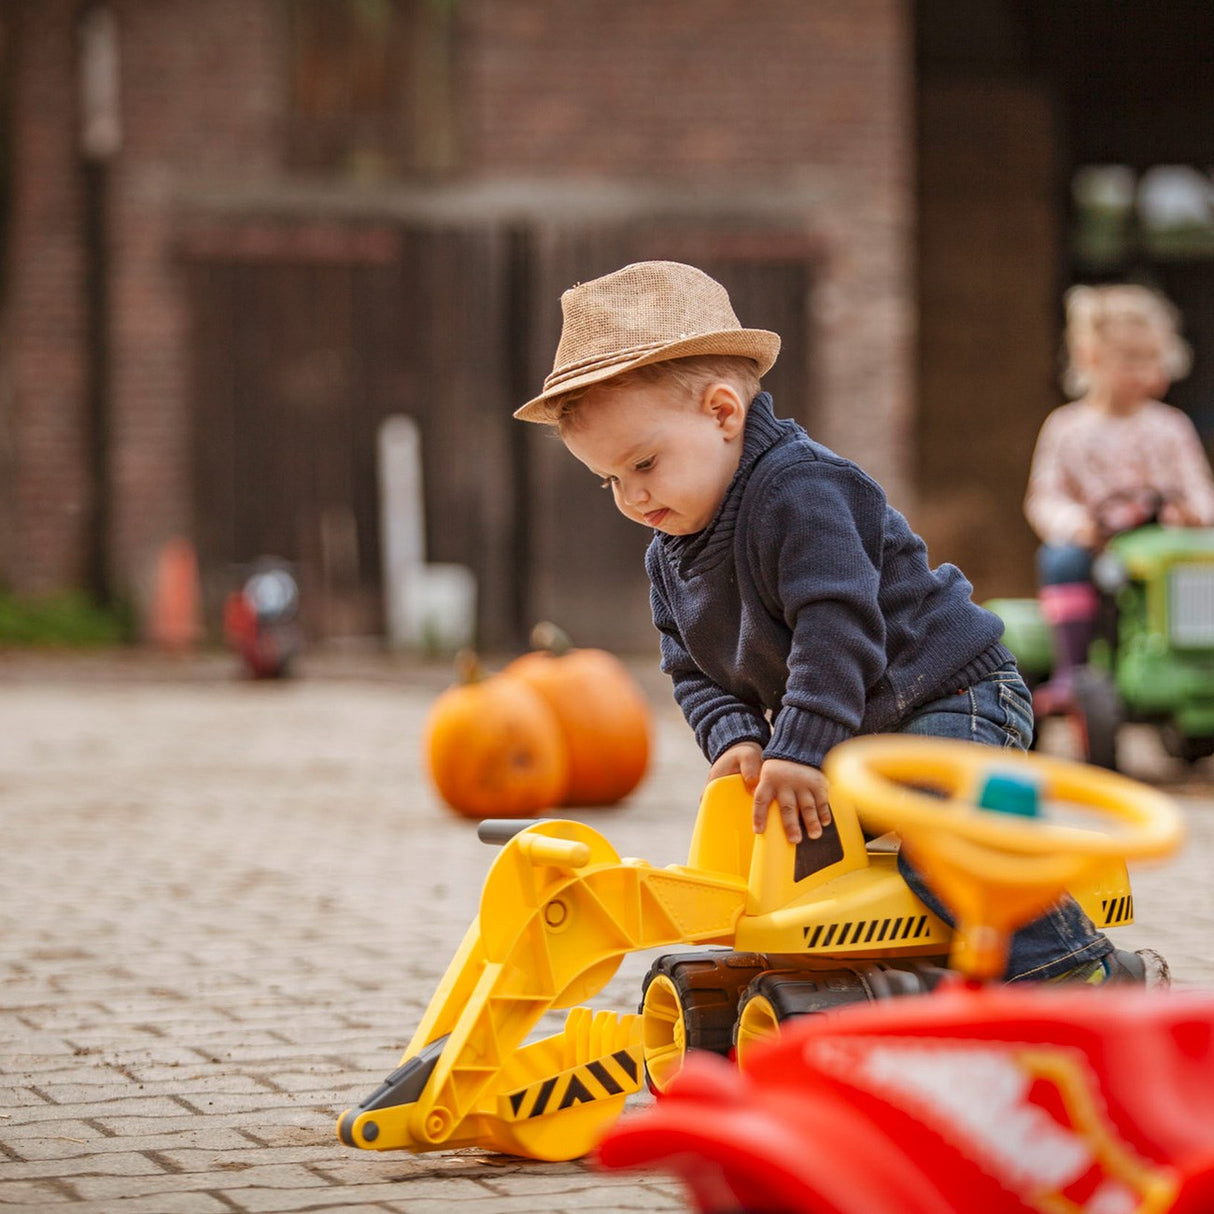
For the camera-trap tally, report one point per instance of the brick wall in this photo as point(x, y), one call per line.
point(43, 482)
point(202, 99)
point(200, 94)
point(805, 100)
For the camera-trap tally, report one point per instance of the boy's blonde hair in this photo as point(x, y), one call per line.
point(1091, 311)
point(692, 375)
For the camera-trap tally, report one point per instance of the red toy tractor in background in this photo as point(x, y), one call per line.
point(1024, 1099)
point(261, 619)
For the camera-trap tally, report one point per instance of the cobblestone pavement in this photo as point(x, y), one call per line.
point(225, 905)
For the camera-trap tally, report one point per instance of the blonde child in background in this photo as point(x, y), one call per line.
point(1113, 459)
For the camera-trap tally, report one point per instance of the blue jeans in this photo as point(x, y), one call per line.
point(1060, 564)
point(998, 710)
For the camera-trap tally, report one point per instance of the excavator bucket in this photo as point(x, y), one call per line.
point(558, 912)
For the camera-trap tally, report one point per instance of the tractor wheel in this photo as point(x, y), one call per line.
point(1096, 717)
point(689, 1001)
point(1188, 747)
point(1196, 749)
point(780, 995)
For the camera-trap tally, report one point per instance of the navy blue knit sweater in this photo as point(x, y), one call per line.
point(806, 611)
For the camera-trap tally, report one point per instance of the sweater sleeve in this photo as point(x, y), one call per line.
point(1051, 505)
point(825, 545)
point(718, 719)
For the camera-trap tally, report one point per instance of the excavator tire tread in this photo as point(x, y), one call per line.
point(798, 992)
point(708, 983)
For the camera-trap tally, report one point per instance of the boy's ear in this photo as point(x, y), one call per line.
point(726, 407)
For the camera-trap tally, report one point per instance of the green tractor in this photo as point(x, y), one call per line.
point(1152, 658)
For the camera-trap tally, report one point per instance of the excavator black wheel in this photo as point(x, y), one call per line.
point(689, 1001)
point(779, 995)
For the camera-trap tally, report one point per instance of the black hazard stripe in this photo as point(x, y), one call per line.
point(1117, 910)
point(909, 928)
point(603, 1075)
point(576, 1093)
point(581, 1085)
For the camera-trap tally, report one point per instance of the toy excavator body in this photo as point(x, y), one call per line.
point(805, 928)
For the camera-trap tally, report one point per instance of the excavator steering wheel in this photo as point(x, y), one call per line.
point(981, 824)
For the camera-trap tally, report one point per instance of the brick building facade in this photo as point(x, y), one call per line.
point(322, 212)
point(199, 96)
point(802, 106)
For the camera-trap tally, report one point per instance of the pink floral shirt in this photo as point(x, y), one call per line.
point(1084, 457)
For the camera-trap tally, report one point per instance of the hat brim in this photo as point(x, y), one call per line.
point(760, 345)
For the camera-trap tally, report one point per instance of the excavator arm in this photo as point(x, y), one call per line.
point(558, 912)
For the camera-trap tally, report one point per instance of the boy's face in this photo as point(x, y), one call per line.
point(667, 458)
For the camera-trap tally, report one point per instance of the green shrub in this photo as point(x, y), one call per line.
point(69, 618)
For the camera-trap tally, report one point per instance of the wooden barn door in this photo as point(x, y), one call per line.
point(303, 344)
point(305, 339)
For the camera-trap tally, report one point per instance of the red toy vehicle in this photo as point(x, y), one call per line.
point(261, 619)
point(990, 1099)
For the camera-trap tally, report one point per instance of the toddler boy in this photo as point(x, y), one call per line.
point(796, 607)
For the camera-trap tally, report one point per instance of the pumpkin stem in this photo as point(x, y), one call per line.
point(550, 636)
point(468, 667)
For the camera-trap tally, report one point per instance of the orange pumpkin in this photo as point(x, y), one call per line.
point(494, 748)
point(603, 715)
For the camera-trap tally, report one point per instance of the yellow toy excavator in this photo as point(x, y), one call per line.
point(805, 929)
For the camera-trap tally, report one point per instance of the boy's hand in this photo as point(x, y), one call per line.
point(742, 759)
point(799, 792)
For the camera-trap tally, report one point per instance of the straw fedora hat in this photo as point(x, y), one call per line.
point(647, 312)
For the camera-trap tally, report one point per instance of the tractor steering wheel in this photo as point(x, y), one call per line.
point(995, 870)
